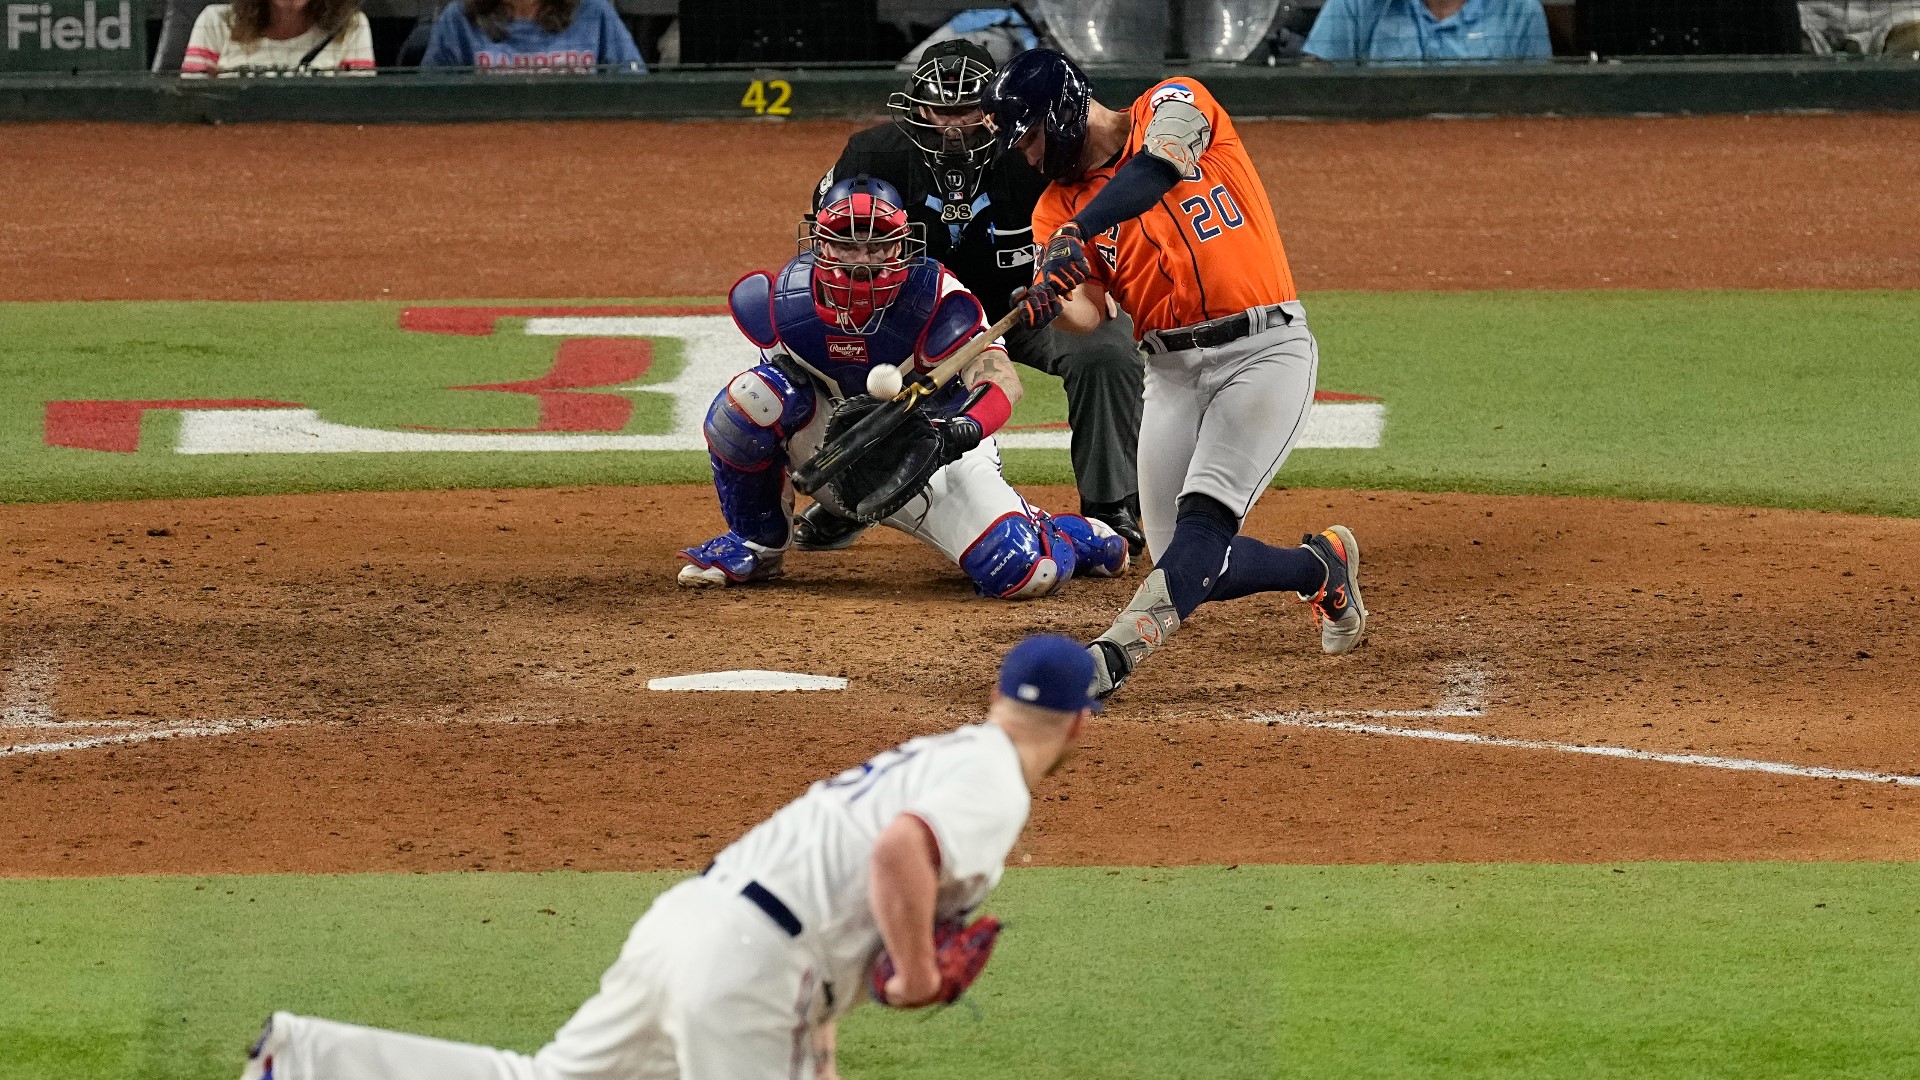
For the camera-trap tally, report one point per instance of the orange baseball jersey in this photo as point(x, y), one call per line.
point(1209, 249)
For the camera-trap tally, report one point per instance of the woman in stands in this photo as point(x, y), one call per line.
point(532, 36)
point(279, 37)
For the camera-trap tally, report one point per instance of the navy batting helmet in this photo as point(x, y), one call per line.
point(1042, 87)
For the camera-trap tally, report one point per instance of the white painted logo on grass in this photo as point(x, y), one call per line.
point(748, 680)
point(714, 352)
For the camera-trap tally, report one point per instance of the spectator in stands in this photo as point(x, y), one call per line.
point(279, 37)
point(1866, 27)
point(532, 35)
point(1429, 31)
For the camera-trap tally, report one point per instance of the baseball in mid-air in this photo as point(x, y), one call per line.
point(883, 381)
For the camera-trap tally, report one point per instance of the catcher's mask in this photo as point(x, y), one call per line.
point(940, 111)
point(863, 249)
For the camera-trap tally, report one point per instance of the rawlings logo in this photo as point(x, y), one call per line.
point(852, 350)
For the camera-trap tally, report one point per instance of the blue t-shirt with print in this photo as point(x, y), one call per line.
point(1405, 30)
point(595, 37)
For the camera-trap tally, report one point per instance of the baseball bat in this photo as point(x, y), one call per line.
point(832, 460)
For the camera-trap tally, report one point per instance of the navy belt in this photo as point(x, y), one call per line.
point(1212, 334)
point(780, 913)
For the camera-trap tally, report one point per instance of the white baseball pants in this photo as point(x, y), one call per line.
point(706, 988)
point(1222, 421)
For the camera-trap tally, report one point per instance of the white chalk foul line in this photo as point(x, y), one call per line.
point(1709, 761)
point(1465, 696)
point(192, 731)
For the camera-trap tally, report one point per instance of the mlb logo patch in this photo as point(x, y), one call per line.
point(847, 350)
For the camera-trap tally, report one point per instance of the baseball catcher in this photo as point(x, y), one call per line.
point(938, 152)
point(861, 294)
point(861, 887)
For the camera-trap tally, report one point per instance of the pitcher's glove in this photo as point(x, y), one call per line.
point(960, 951)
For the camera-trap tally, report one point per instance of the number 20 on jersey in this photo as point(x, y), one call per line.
point(1202, 210)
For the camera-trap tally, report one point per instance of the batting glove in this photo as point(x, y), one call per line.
point(1040, 305)
point(1063, 264)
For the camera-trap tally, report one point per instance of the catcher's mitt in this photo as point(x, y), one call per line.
point(874, 486)
point(960, 951)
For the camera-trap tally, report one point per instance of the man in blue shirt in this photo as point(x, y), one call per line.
point(532, 36)
point(1429, 31)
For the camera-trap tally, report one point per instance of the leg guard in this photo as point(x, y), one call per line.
point(747, 429)
point(1018, 558)
point(1146, 624)
point(1098, 550)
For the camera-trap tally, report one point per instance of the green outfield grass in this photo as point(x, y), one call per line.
point(1630, 971)
point(1798, 399)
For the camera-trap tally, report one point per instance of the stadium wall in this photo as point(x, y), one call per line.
point(1317, 92)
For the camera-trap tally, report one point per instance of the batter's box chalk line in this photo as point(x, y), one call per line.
point(749, 679)
point(26, 702)
point(1463, 695)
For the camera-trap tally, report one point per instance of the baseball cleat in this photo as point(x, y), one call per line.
point(728, 560)
point(1123, 518)
point(1109, 667)
point(1337, 606)
point(259, 1058)
point(820, 529)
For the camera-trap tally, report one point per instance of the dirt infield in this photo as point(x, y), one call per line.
point(459, 682)
point(430, 681)
point(644, 209)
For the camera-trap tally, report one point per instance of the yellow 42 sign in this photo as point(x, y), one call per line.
point(757, 97)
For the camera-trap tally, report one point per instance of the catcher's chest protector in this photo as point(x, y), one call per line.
point(844, 358)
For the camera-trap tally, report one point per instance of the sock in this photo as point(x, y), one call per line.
point(1195, 560)
point(1254, 567)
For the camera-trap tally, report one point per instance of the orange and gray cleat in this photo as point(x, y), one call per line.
point(1337, 606)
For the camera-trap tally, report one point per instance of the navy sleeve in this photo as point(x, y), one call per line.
point(447, 45)
point(1135, 188)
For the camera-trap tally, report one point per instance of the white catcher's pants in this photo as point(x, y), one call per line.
point(1221, 422)
point(706, 988)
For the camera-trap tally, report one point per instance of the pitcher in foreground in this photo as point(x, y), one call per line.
point(859, 888)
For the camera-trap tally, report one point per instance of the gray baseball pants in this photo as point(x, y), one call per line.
point(1221, 421)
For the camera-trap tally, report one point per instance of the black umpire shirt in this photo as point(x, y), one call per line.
point(988, 243)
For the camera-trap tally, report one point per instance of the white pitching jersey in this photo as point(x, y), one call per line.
point(814, 853)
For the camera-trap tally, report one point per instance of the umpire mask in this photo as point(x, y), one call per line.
point(940, 111)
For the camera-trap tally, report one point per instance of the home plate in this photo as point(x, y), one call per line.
point(748, 680)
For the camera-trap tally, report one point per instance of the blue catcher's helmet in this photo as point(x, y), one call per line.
point(1041, 87)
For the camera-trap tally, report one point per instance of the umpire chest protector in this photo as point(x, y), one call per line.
point(984, 237)
point(778, 311)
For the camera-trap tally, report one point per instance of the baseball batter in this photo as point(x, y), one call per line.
point(1183, 238)
point(740, 972)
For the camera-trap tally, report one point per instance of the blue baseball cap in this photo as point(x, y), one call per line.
point(1049, 671)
